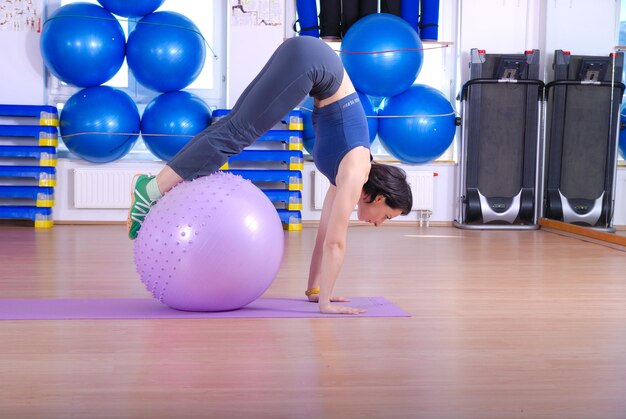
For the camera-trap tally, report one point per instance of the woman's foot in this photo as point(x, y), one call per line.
point(140, 204)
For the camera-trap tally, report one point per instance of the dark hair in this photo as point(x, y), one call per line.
point(390, 182)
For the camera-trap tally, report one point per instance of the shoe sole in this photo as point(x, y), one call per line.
point(129, 221)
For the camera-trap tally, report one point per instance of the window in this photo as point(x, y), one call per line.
point(209, 17)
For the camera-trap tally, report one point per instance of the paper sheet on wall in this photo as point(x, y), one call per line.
point(256, 13)
point(20, 15)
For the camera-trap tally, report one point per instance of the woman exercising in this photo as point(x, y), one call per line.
point(299, 67)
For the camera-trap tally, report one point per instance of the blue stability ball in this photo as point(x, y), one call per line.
point(99, 124)
point(371, 114)
point(82, 44)
point(622, 132)
point(132, 9)
point(416, 126)
point(166, 51)
point(382, 54)
point(181, 114)
point(308, 134)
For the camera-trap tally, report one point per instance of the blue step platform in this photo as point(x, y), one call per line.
point(42, 217)
point(43, 176)
point(272, 179)
point(292, 121)
point(45, 114)
point(267, 159)
point(40, 196)
point(292, 220)
point(274, 163)
point(43, 135)
point(28, 153)
point(285, 139)
point(45, 156)
point(285, 199)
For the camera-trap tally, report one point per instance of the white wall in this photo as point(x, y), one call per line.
point(21, 71)
point(581, 27)
point(513, 26)
point(499, 26)
point(250, 48)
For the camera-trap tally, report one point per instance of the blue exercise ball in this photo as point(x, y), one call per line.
point(308, 134)
point(166, 51)
point(132, 9)
point(99, 124)
point(170, 120)
point(622, 132)
point(382, 54)
point(82, 44)
point(416, 126)
point(371, 114)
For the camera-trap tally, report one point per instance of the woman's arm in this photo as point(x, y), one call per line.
point(333, 250)
point(351, 176)
point(316, 257)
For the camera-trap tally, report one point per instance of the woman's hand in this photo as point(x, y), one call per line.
point(314, 298)
point(335, 309)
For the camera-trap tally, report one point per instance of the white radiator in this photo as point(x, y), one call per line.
point(102, 188)
point(422, 188)
point(422, 184)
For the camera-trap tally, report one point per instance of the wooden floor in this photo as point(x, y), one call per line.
point(504, 325)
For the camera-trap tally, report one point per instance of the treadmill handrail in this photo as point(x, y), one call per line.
point(554, 83)
point(472, 82)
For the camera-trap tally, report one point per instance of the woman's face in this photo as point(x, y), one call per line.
point(375, 212)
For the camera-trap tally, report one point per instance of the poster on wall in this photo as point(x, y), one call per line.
point(256, 13)
point(20, 15)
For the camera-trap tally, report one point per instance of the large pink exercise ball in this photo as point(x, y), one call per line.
point(382, 54)
point(416, 126)
point(82, 44)
point(171, 120)
point(212, 244)
point(165, 51)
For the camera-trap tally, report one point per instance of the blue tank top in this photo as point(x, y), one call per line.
point(339, 127)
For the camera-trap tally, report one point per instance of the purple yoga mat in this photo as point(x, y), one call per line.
point(148, 308)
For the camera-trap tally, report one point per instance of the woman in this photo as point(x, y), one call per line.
point(299, 67)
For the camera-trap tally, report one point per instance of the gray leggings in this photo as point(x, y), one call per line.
point(299, 67)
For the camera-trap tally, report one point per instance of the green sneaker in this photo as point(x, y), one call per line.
point(139, 204)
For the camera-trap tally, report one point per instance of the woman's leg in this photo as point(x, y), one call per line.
point(166, 179)
point(280, 86)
